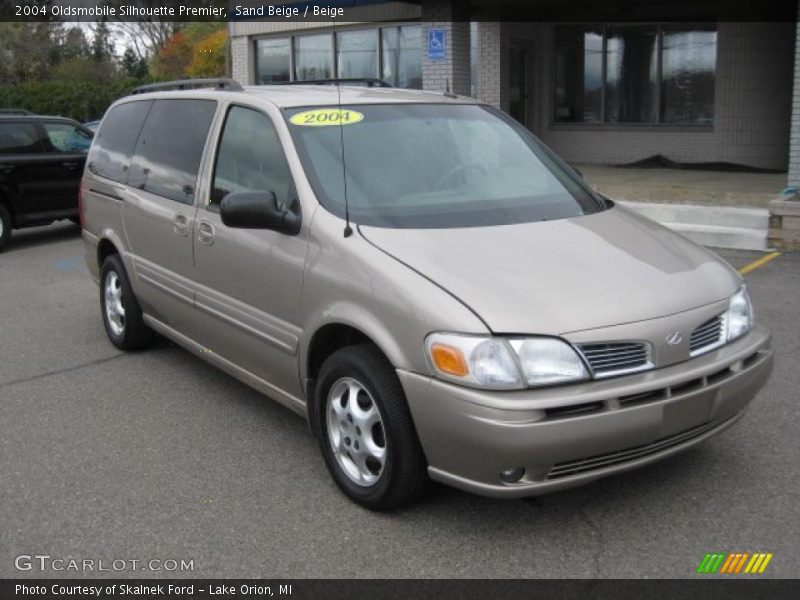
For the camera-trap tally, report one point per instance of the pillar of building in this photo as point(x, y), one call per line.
point(794, 136)
point(242, 69)
point(451, 72)
point(491, 71)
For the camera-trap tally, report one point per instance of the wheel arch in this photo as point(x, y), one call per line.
point(338, 332)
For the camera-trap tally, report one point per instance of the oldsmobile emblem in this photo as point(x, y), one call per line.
point(674, 338)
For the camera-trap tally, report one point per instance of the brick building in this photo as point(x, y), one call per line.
point(596, 92)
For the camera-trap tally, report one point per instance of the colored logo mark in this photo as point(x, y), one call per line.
point(736, 562)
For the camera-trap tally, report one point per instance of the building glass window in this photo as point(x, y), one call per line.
point(401, 49)
point(273, 60)
point(635, 73)
point(392, 53)
point(579, 74)
point(357, 53)
point(631, 74)
point(313, 57)
point(689, 59)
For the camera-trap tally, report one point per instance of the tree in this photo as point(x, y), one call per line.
point(132, 65)
point(75, 44)
point(102, 45)
point(210, 55)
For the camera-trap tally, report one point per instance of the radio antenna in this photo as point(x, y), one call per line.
point(348, 231)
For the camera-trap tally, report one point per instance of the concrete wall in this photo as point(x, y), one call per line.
point(451, 73)
point(492, 77)
point(753, 91)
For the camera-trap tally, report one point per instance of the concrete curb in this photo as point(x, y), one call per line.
point(718, 226)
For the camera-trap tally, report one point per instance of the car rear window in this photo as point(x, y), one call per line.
point(170, 147)
point(114, 143)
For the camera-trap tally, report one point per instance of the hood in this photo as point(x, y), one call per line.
point(562, 276)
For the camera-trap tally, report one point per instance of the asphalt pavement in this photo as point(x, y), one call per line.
point(158, 456)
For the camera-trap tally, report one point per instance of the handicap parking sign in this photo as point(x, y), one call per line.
point(436, 44)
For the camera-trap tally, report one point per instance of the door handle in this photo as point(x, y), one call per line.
point(205, 233)
point(180, 225)
point(5, 168)
point(70, 165)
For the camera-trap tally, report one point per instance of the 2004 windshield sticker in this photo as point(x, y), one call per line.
point(322, 117)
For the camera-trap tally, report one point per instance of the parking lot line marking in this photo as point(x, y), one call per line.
point(759, 263)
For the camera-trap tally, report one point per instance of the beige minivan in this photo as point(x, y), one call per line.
point(419, 277)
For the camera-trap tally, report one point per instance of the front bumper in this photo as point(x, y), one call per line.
point(569, 435)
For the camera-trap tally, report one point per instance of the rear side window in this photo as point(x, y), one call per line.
point(116, 139)
point(19, 138)
point(68, 139)
point(168, 154)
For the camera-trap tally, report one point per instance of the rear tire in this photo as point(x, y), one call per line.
point(5, 226)
point(365, 430)
point(122, 316)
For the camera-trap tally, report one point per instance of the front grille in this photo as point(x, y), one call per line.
point(616, 358)
point(592, 463)
point(707, 336)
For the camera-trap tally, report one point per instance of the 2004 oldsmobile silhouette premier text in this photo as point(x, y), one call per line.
point(419, 277)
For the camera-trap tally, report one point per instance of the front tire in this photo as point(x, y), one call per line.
point(122, 315)
point(5, 226)
point(365, 429)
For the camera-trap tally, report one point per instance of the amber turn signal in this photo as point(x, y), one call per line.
point(449, 360)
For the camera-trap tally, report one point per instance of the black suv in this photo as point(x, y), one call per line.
point(41, 162)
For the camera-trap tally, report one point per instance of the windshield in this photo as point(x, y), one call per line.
point(433, 165)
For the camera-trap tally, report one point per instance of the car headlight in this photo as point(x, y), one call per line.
point(503, 364)
point(739, 318)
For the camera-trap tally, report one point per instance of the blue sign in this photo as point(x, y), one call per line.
point(437, 41)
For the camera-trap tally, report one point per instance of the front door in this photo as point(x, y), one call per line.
point(249, 281)
point(27, 171)
point(67, 146)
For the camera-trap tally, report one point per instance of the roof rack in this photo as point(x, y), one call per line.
point(219, 83)
point(365, 81)
point(14, 111)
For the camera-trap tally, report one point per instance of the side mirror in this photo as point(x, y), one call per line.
point(257, 210)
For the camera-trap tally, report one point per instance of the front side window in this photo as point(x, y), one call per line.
point(446, 165)
point(313, 57)
point(19, 138)
point(635, 73)
point(68, 139)
point(250, 158)
point(170, 146)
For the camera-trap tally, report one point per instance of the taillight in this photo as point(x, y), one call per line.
point(80, 202)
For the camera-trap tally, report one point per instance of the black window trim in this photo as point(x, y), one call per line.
point(605, 125)
point(206, 204)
